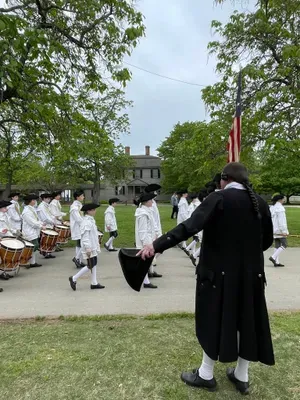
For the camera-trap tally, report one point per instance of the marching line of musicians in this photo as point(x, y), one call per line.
point(42, 227)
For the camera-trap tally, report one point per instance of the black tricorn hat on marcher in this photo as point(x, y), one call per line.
point(13, 194)
point(182, 191)
point(146, 197)
point(5, 203)
point(153, 187)
point(277, 197)
point(46, 196)
point(193, 196)
point(56, 193)
point(30, 197)
point(113, 200)
point(134, 268)
point(89, 206)
point(77, 193)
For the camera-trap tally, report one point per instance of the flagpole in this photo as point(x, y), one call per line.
point(234, 140)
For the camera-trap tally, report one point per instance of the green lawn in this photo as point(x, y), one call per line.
point(115, 358)
point(126, 222)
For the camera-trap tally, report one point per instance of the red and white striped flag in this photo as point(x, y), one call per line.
point(234, 141)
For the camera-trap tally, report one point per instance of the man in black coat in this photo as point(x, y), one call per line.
point(231, 314)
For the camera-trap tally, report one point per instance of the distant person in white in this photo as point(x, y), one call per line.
point(280, 228)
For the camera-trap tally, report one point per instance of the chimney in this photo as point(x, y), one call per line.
point(127, 150)
point(147, 150)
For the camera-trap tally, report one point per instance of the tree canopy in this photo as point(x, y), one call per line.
point(58, 60)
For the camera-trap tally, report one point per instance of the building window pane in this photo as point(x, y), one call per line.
point(137, 173)
point(155, 173)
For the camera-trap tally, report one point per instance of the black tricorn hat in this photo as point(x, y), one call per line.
point(78, 193)
point(113, 200)
point(146, 196)
point(182, 191)
point(30, 197)
point(134, 268)
point(13, 194)
point(57, 193)
point(90, 206)
point(46, 196)
point(152, 187)
point(277, 197)
point(5, 203)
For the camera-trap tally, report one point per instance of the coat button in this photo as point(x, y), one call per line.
point(223, 273)
point(259, 275)
point(214, 286)
point(168, 238)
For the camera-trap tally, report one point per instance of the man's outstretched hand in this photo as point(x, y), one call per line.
point(147, 251)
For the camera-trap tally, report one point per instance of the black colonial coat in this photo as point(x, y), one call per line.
point(230, 293)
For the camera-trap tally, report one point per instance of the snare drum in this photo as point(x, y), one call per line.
point(48, 240)
point(64, 233)
point(10, 254)
point(26, 253)
point(100, 237)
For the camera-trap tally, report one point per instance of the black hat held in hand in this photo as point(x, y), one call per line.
point(134, 268)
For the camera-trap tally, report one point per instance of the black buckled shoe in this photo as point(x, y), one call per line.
point(72, 283)
point(98, 286)
point(154, 275)
point(1, 289)
point(149, 286)
point(272, 261)
point(76, 262)
point(35, 265)
point(49, 256)
point(4, 276)
point(193, 379)
point(112, 250)
point(105, 245)
point(242, 387)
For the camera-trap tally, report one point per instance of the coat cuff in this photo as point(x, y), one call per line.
point(163, 243)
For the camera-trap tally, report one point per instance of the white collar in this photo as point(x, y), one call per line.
point(235, 185)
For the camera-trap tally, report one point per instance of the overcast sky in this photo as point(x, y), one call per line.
point(177, 34)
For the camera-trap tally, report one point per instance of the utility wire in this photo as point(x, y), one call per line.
point(164, 76)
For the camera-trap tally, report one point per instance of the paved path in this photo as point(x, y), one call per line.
point(45, 291)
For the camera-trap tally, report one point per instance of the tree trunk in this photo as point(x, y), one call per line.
point(96, 189)
point(288, 196)
point(7, 189)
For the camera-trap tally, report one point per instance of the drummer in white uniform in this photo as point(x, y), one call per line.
point(90, 247)
point(5, 228)
point(75, 221)
point(14, 211)
point(44, 212)
point(6, 225)
point(110, 223)
point(32, 226)
point(153, 188)
point(183, 211)
point(45, 215)
point(55, 206)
